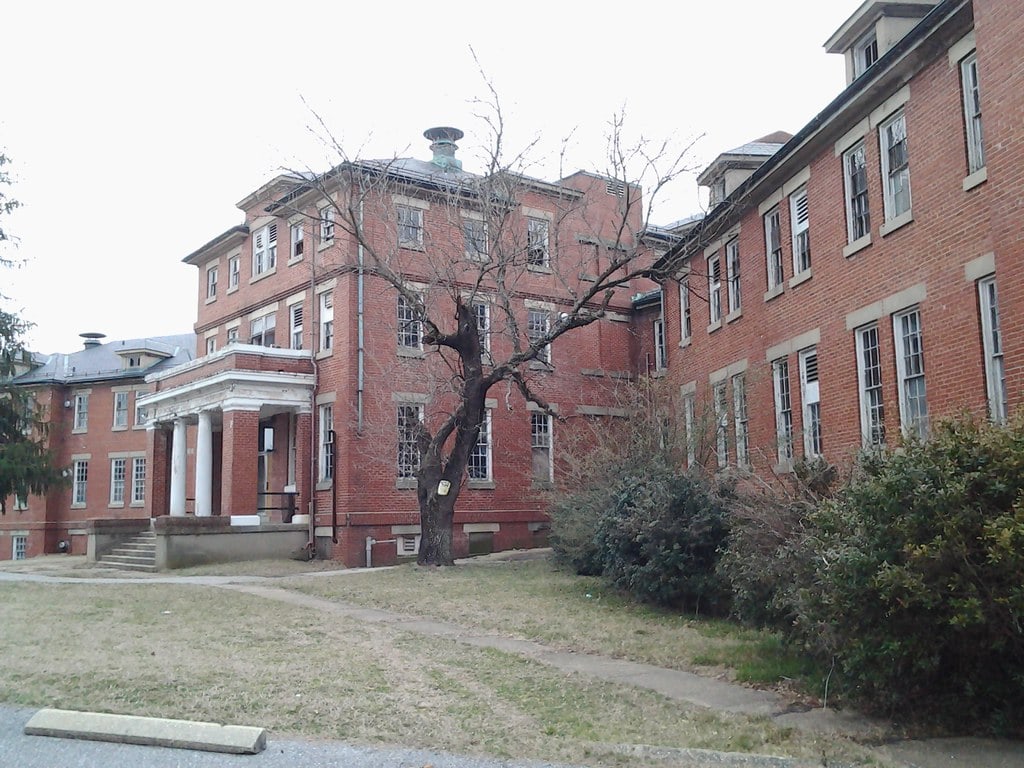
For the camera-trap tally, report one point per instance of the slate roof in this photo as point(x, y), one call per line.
point(103, 361)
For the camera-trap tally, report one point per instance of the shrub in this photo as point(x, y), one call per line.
point(917, 584)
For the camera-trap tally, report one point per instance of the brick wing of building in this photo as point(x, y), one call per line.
point(858, 280)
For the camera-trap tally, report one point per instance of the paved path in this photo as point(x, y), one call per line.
point(675, 684)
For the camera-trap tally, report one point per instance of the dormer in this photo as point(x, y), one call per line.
point(139, 357)
point(732, 168)
point(873, 30)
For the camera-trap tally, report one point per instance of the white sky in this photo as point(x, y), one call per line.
point(135, 127)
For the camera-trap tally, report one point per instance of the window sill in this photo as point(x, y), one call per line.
point(893, 224)
point(115, 505)
point(540, 365)
point(857, 245)
point(783, 468)
point(774, 291)
point(80, 431)
point(294, 260)
point(976, 179)
point(263, 275)
point(233, 289)
point(481, 485)
point(540, 269)
point(324, 485)
point(714, 326)
point(803, 277)
point(411, 246)
point(684, 343)
point(406, 483)
point(410, 352)
point(733, 316)
point(323, 246)
point(588, 278)
point(137, 504)
point(119, 428)
point(659, 373)
point(542, 485)
point(210, 299)
point(79, 506)
point(325, 353)
point(139, 426)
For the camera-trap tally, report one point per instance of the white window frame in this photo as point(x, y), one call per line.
point(714, 288)
point(720, 401)
point(326, 321)
point(541, 446)
point(211, 283)
point(865, 53)
point(480, 466)
point(855, 184)
point(264, 249)
point(972, 112)
point(689, 426)
point(20, 503)
point(908, 341)
point(732, 274)
point(895, 180)
point(79, 482)
point(138, 480)
point(474, 233)
point(660, 352)
point(19, 547)
point(741, 419)
point(800, 225)
point(327, 443)
point(297, 242)
point(211, 345)
point(538, 242)
point(81, 423)
point(120, 410)
point(538, 325)
point(810, 401)
point(482, 313)
point(326, 219)
point(260, 326)
point(410, 226)
point(295, 325)
point(869, 386)
point(234, 272)
point(773, 247)
point(783, 411)
point(233, 335)
point(992, 338)
point(408, 453)
point(410, 326)
point(118, 481)
point(685, 317)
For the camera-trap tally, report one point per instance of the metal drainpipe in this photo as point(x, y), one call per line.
point(314, 416)
point(370, 541)
point(359, 328)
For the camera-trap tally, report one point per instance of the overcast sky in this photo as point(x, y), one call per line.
point(135, 127)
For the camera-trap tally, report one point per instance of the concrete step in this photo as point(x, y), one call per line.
point(150, 568)
point(140, 545)
point(130, 559)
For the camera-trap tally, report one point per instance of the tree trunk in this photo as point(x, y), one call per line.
point(437, 514)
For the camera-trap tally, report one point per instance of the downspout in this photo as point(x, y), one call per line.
point(314, 415)
point(359, 327)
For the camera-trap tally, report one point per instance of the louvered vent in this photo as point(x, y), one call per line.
point(615, 187)
point(811, 368)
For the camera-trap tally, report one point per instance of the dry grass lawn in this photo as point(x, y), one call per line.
point(210, 654)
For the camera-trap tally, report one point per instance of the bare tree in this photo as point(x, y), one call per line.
point(484, 242)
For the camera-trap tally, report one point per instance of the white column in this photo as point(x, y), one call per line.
point(178, 450)
point(204, 465)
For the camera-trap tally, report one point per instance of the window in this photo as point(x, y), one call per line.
point(232, 335)
point(855, 171)
point(409, 418)
point(264, 249)
point(479, 467)
point(263, 331)
point(326, 321)
point(685, 325)
point(410, 227)
point(211, 345)
point(134, 361)
point(118, 471)
point(995, 376)
point(19, 548)
point(865, 53)
point(732, 273)
point(326, 454)
point(80, 478)
point(538, 323)
point(869, 381)
point(326, 224)
point(211, 283)
point(410, 330)
point(740, 419)
point(801, 225)
point(295, 325)
point(140, 412)
point(20, 503)
point(120, 409)
point(783, 411)
point(482, 312)
point(138, 480)
point(234, 276)
point(895, 166)
point(536, 242)
point(910, 373)
point(297, 243)
point(811, 399)
point(715, 288)
point(689, 425)
point(660, 353)
point(972, 113)
point(540, 447)
point(721, 404)
point(475, 233)
point(773, 247)
point(81, 412)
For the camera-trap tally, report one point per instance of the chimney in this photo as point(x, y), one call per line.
point(443, 146)
point(92, 339)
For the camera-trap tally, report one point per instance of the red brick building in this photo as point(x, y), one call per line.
point(842, 291)
point(97, 432)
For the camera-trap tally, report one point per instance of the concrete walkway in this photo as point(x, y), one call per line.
point(675, 684)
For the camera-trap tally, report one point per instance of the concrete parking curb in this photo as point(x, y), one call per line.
point(149, 731)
